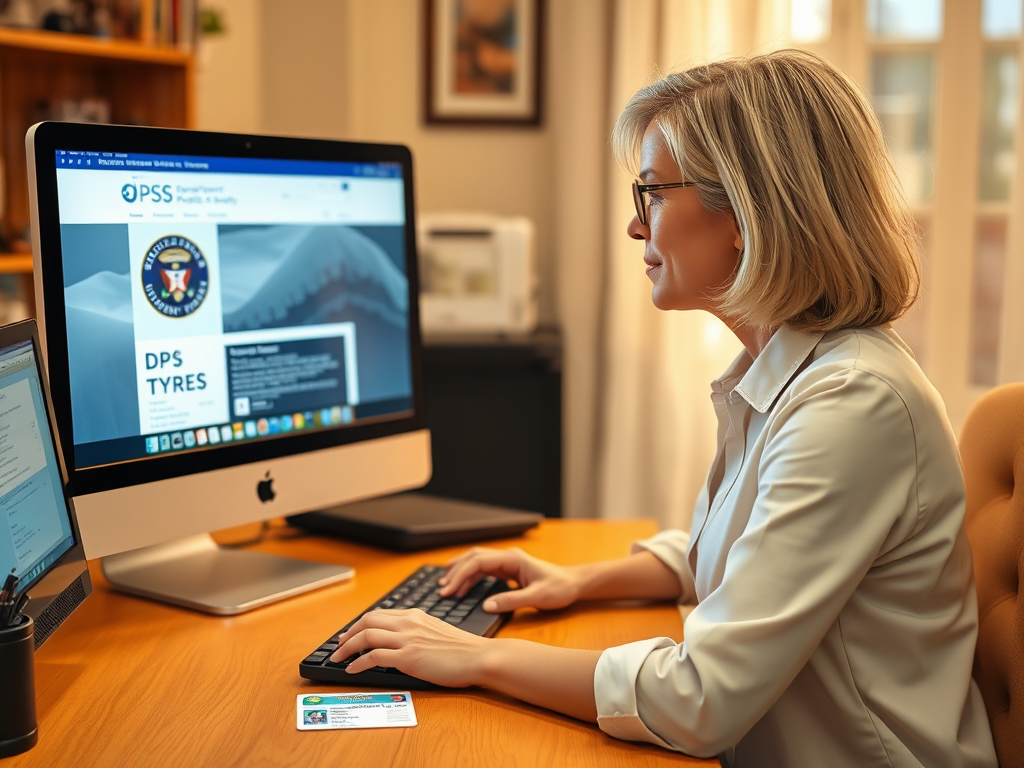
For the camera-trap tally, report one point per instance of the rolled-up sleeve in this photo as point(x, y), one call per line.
point(836, 473)
point(671, 547)
point(615, 689)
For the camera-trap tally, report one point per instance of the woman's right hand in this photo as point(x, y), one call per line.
point(541, 584)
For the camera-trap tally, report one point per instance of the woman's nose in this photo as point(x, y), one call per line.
point(636, 230)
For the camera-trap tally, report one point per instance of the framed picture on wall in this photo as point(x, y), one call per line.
point(483, 61)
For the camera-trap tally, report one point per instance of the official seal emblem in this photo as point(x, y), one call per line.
point(175, 276)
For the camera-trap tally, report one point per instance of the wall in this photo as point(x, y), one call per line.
point(580, 118)
point(304, 69)
point(229, 94)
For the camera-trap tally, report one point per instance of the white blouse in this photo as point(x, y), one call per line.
point(836, 616)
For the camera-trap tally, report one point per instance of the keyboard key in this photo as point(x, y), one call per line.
point(340, 664)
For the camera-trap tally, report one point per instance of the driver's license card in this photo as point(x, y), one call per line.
point(328, 711)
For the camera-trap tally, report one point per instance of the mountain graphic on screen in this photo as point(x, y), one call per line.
point(101, 349)
point(106, 294)
point(286, 275)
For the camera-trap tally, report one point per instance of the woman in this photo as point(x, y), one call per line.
point(835, 616)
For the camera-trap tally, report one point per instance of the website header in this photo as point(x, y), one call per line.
point(128, 161)
point(92, 196)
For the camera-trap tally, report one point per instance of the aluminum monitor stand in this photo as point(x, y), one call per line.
point(197, 573)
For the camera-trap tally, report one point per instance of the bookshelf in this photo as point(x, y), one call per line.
point(139, 84)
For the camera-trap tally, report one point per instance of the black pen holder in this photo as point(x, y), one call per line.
point(18, 730)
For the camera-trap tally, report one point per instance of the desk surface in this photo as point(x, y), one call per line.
point(126, 681)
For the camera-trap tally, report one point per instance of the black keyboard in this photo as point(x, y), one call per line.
point(417, 591)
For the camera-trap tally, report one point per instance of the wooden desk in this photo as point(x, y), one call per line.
point(128, 682)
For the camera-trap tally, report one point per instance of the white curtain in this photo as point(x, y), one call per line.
point(1011, 349)
point(1011, 341)
point(656, 423)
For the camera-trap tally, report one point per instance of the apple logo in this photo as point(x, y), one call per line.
point(265, 488)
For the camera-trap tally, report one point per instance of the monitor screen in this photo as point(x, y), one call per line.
point(230, 324)
point(211, 300)
point(36, 528)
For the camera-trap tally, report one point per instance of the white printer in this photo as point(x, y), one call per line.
point(478, 273)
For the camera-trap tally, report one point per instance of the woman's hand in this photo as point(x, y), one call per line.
point(542, 584)
point(416, 644)
point(561, 679)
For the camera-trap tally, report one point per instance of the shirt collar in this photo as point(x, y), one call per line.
point(760, 381)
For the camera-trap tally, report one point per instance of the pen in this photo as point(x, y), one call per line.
point(10, 611)
point(10, 584)
point(20, 606)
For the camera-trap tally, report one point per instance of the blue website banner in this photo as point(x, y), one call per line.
point(121, 161)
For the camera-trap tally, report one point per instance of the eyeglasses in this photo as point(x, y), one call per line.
point(639, 190)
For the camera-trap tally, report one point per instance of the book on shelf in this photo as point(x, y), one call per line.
point(165, 23)
point(169, 23)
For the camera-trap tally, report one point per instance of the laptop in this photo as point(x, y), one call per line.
point(39, 538)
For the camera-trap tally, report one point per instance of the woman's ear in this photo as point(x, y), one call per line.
point(738, 241)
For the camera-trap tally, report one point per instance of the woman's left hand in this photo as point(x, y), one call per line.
point(415, 643)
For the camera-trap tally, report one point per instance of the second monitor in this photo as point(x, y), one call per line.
point(231, 331)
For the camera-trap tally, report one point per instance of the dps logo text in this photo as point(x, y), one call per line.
point(155, 193)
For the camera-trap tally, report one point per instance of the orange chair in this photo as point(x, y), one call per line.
point(992, 448)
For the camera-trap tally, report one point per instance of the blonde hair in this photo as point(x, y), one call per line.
point(791, 146)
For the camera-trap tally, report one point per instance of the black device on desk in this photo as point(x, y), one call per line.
point(419, 590)
point(412, 521)
point(495, 419)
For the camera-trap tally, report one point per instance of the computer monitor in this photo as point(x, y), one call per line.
point(231, 330)
point(39, 538)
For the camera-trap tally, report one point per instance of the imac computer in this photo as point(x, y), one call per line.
point(231, 329)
